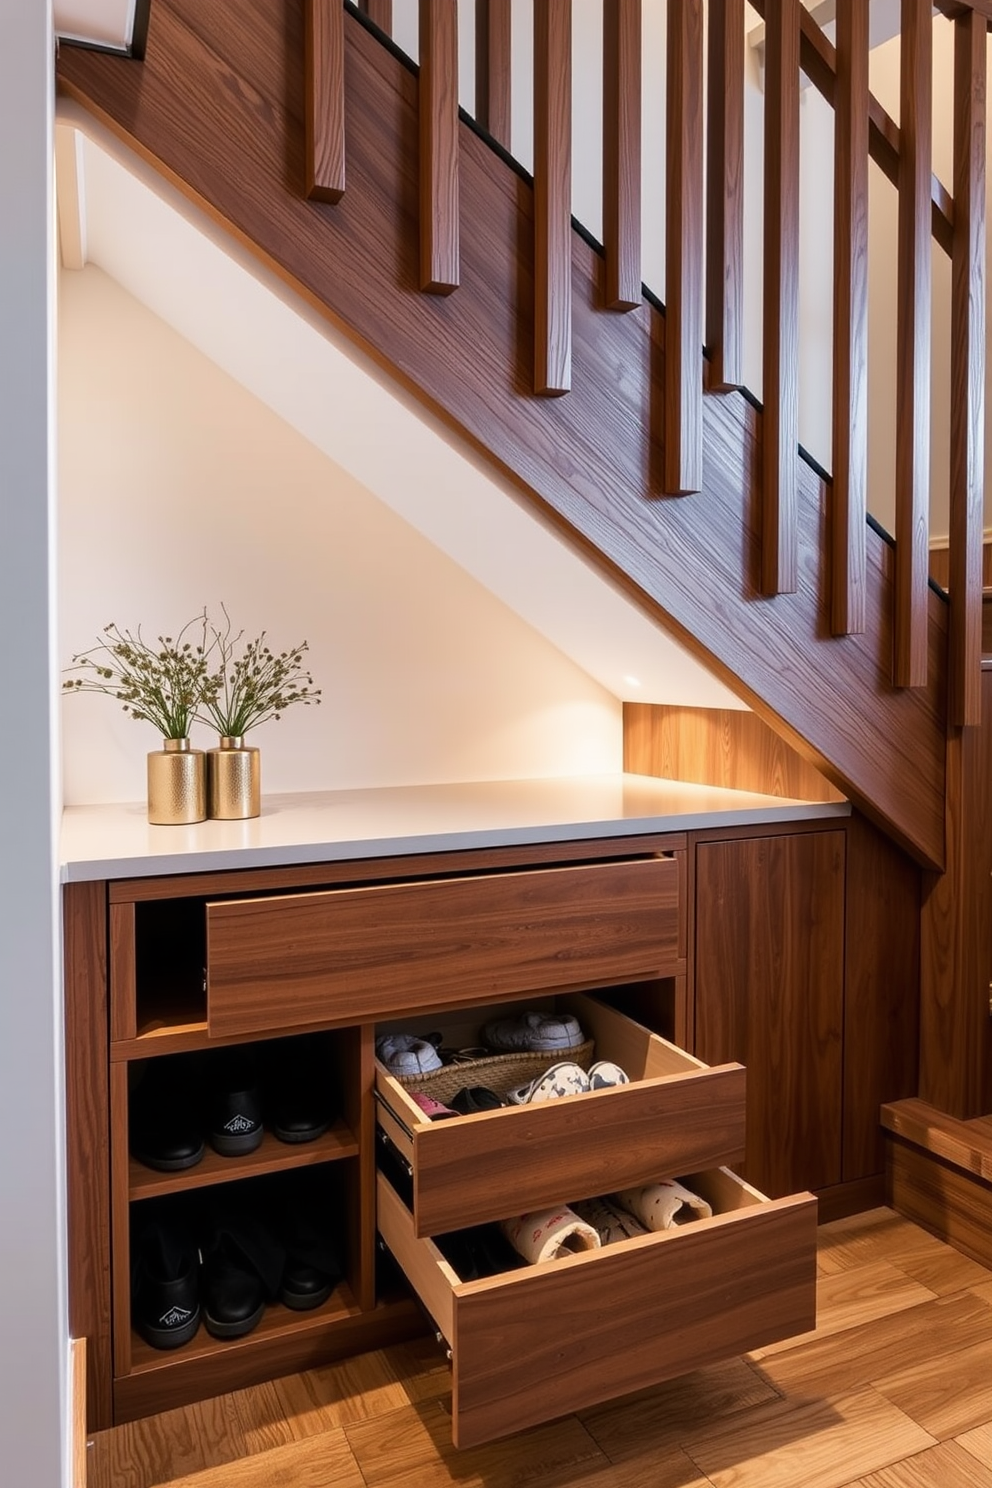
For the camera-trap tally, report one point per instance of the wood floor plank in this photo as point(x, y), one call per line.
point(882, 1235)
point(161, 1448)
point(317, 1462)
point(946, 1401)
point(824, 1443)
point(861, 1354)
point(656, 1420)
point(846, 1298)
point(303, 1405)
point(978, 1443)
point(412, 1448)
point(943, 1466)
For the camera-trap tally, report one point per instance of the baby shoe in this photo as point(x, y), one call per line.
point(407, 1054)
point(563, 1078)
point(605, 1073)
point(538, 1032)
point(431, 1107)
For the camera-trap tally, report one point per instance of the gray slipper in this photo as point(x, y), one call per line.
point(537, 1032)
point(406, 1054)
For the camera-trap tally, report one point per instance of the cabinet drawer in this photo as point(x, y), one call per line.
point(549, 1339)
point(357, 954)
point(676, 1116)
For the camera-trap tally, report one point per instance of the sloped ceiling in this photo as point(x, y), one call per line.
point(116, 213)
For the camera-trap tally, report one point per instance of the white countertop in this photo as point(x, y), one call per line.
point(329, 826)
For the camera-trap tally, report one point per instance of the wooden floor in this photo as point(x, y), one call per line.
point(893, 1390)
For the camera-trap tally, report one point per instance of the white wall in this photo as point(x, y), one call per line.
point(32, 1156)
point(179, 488)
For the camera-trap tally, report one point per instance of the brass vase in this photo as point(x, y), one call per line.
point(177, 784)
point(234, 779)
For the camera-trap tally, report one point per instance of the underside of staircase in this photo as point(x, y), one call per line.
point(218, 107)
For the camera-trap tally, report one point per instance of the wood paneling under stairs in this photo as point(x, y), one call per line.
point(218, 107)
point(891, 1391)
point(718, 746)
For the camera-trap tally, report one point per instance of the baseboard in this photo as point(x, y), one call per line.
point(77, 1401)
point(842, 1199)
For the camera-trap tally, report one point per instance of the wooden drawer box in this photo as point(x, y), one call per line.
point(356, 954)
point(546, 1340)
point(676, 1116)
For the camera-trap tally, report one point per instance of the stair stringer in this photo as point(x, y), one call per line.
point(217, 107)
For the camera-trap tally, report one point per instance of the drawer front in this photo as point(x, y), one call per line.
point(349, 955)
point(551, 1339)
point(676, 1116)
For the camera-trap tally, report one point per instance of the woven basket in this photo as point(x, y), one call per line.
point(499, 1072)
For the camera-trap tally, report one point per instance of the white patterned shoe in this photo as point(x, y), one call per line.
point(605, 1073)
point(564, 1078)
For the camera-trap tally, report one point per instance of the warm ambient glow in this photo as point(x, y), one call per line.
point(632, 681)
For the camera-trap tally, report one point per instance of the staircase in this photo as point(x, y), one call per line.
point(232, 106)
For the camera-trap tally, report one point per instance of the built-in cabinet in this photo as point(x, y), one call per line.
point(186, 966)
point(769, 991)
point(717, 964)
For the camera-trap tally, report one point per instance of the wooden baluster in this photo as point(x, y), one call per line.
point(438, 104)
point(622, 152)
point(553, 196)
point(850, 411)
point(780, 421)
point(967, 371)
point(913, 348)
point(725, 195)
point(492, 69)
point(324, 65)
point(684, 250)
point(379, 12)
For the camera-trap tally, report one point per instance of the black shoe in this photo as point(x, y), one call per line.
point(242, 1268)
point(235, 1105)
point(165, 1305)
point(298, 1104)
point(312, 1269)
point(475, 1098)
point(478, 1252)
point(163, 1129)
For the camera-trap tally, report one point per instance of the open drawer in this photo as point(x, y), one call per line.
point(536, 1343)
point(676, 1116)
point(350, 955)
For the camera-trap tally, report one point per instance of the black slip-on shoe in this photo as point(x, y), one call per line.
point(312, 1269)
point(243, 1263)
point(235, 1105)
point(163, 1126)
point(165, 1306)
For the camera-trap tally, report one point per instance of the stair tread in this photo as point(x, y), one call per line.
point(965, 1144)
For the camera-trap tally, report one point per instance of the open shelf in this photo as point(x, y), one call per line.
point(277, 1322)
point(271, 1157)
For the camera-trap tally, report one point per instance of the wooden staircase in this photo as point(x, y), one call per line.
point(307, 135)
point(221, 103)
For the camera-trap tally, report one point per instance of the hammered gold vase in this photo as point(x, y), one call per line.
point(177, 784)
point(234, 780)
